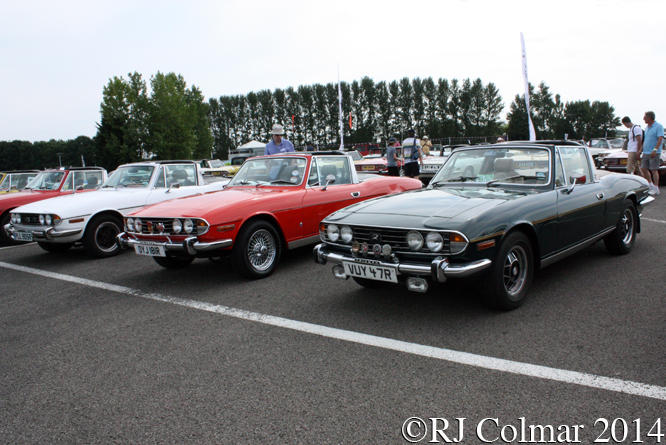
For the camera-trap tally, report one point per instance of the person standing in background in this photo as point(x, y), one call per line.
point(278, 145)
point(426, 145)
point(412, 154)
point(392, 158)
point(654, 138)
point(634, 146)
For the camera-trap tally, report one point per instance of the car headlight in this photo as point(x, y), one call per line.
point(129, 224)
point(16, 218)
point(137, 225)
point(414, 240)
point(177, 226)
point(458, 243)
point(434, 241)
point(41, 219)
point(333, 232)
point(188, 226)
point(346, 234)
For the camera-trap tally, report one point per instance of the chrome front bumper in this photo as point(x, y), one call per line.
point(48, 234)
point(190, 245)
point(438, 270)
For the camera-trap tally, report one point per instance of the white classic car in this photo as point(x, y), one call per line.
point(432, 164)
point(95, 218)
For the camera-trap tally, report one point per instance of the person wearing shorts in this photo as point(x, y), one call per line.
point(654, 138)
point(392, 158)
point(411, 165)
point(634, 146)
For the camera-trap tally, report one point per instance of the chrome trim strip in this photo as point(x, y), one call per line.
point(443, 269)
point(189, 245)
point(303, 242)
point(578, 247)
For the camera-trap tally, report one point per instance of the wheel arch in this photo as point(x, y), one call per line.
point(109, 212)
point(528, 230)
point(267, 217)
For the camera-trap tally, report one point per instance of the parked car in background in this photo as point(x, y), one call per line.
point(617, 162)
point(599, 148)
point(215, 167)
point(366, 149)
point(272, 204)
point(48, 184)
point(432, 164)
point(94, 219)
point(13, 181)
point(525, 206)
point(376, 163)
point(355, 155)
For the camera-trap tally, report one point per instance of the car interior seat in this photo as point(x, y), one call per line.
point(180, 176)
point(92, 182)
point(328, 170)
point(505, 168)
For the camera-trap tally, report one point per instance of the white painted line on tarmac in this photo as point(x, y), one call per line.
point(464, 358)
point(653, 220)
point(13, 247)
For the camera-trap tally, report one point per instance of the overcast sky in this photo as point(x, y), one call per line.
point(56, 56)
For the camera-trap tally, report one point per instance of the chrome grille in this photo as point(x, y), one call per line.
point(396, 238)
point(30, 219)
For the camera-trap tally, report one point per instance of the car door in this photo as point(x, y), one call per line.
point(320, 200)
point(581, 209)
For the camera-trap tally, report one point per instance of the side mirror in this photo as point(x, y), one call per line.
point(330, 179)
point(578, 179)
point(175, 185)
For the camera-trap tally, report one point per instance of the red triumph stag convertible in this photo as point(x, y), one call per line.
point(273, 203)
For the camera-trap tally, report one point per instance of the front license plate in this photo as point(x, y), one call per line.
point(371, 272)
point(23, 236)
point(149, 249)
point(623, 161)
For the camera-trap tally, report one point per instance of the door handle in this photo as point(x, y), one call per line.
point(600, 196)
point(355, 194)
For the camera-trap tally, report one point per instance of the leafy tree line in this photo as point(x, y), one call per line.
point(379, 110)
point(552, 118)
point(173, 121)
point(24, 155)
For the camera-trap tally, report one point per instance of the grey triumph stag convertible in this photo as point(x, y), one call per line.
point(526, 206)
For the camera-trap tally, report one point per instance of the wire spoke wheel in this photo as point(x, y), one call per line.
point(261, 250)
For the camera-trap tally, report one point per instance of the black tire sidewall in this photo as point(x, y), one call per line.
point(614, 242)
point(239, 259)
point(494, 290)
point(89, 241)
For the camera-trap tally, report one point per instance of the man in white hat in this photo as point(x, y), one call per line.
point(278, 145)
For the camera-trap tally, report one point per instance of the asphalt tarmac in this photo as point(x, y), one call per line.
point(121, 350)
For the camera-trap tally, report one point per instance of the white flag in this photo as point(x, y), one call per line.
point(342, 144)
point(527, 89)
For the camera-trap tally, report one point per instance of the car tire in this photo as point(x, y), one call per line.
point(256, 251)
point(370, 284)
point(511, 273)
point(4, 238)
point(55, 247)
point(173, 262)
point(621, 240)
point(99, 238)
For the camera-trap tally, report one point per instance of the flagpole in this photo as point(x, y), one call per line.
point(342, 144)
point(527, 89)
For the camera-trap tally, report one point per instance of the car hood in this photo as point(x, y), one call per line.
point(428, 205)
point(85, 203)
point(218, 202)
point(11, 200)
